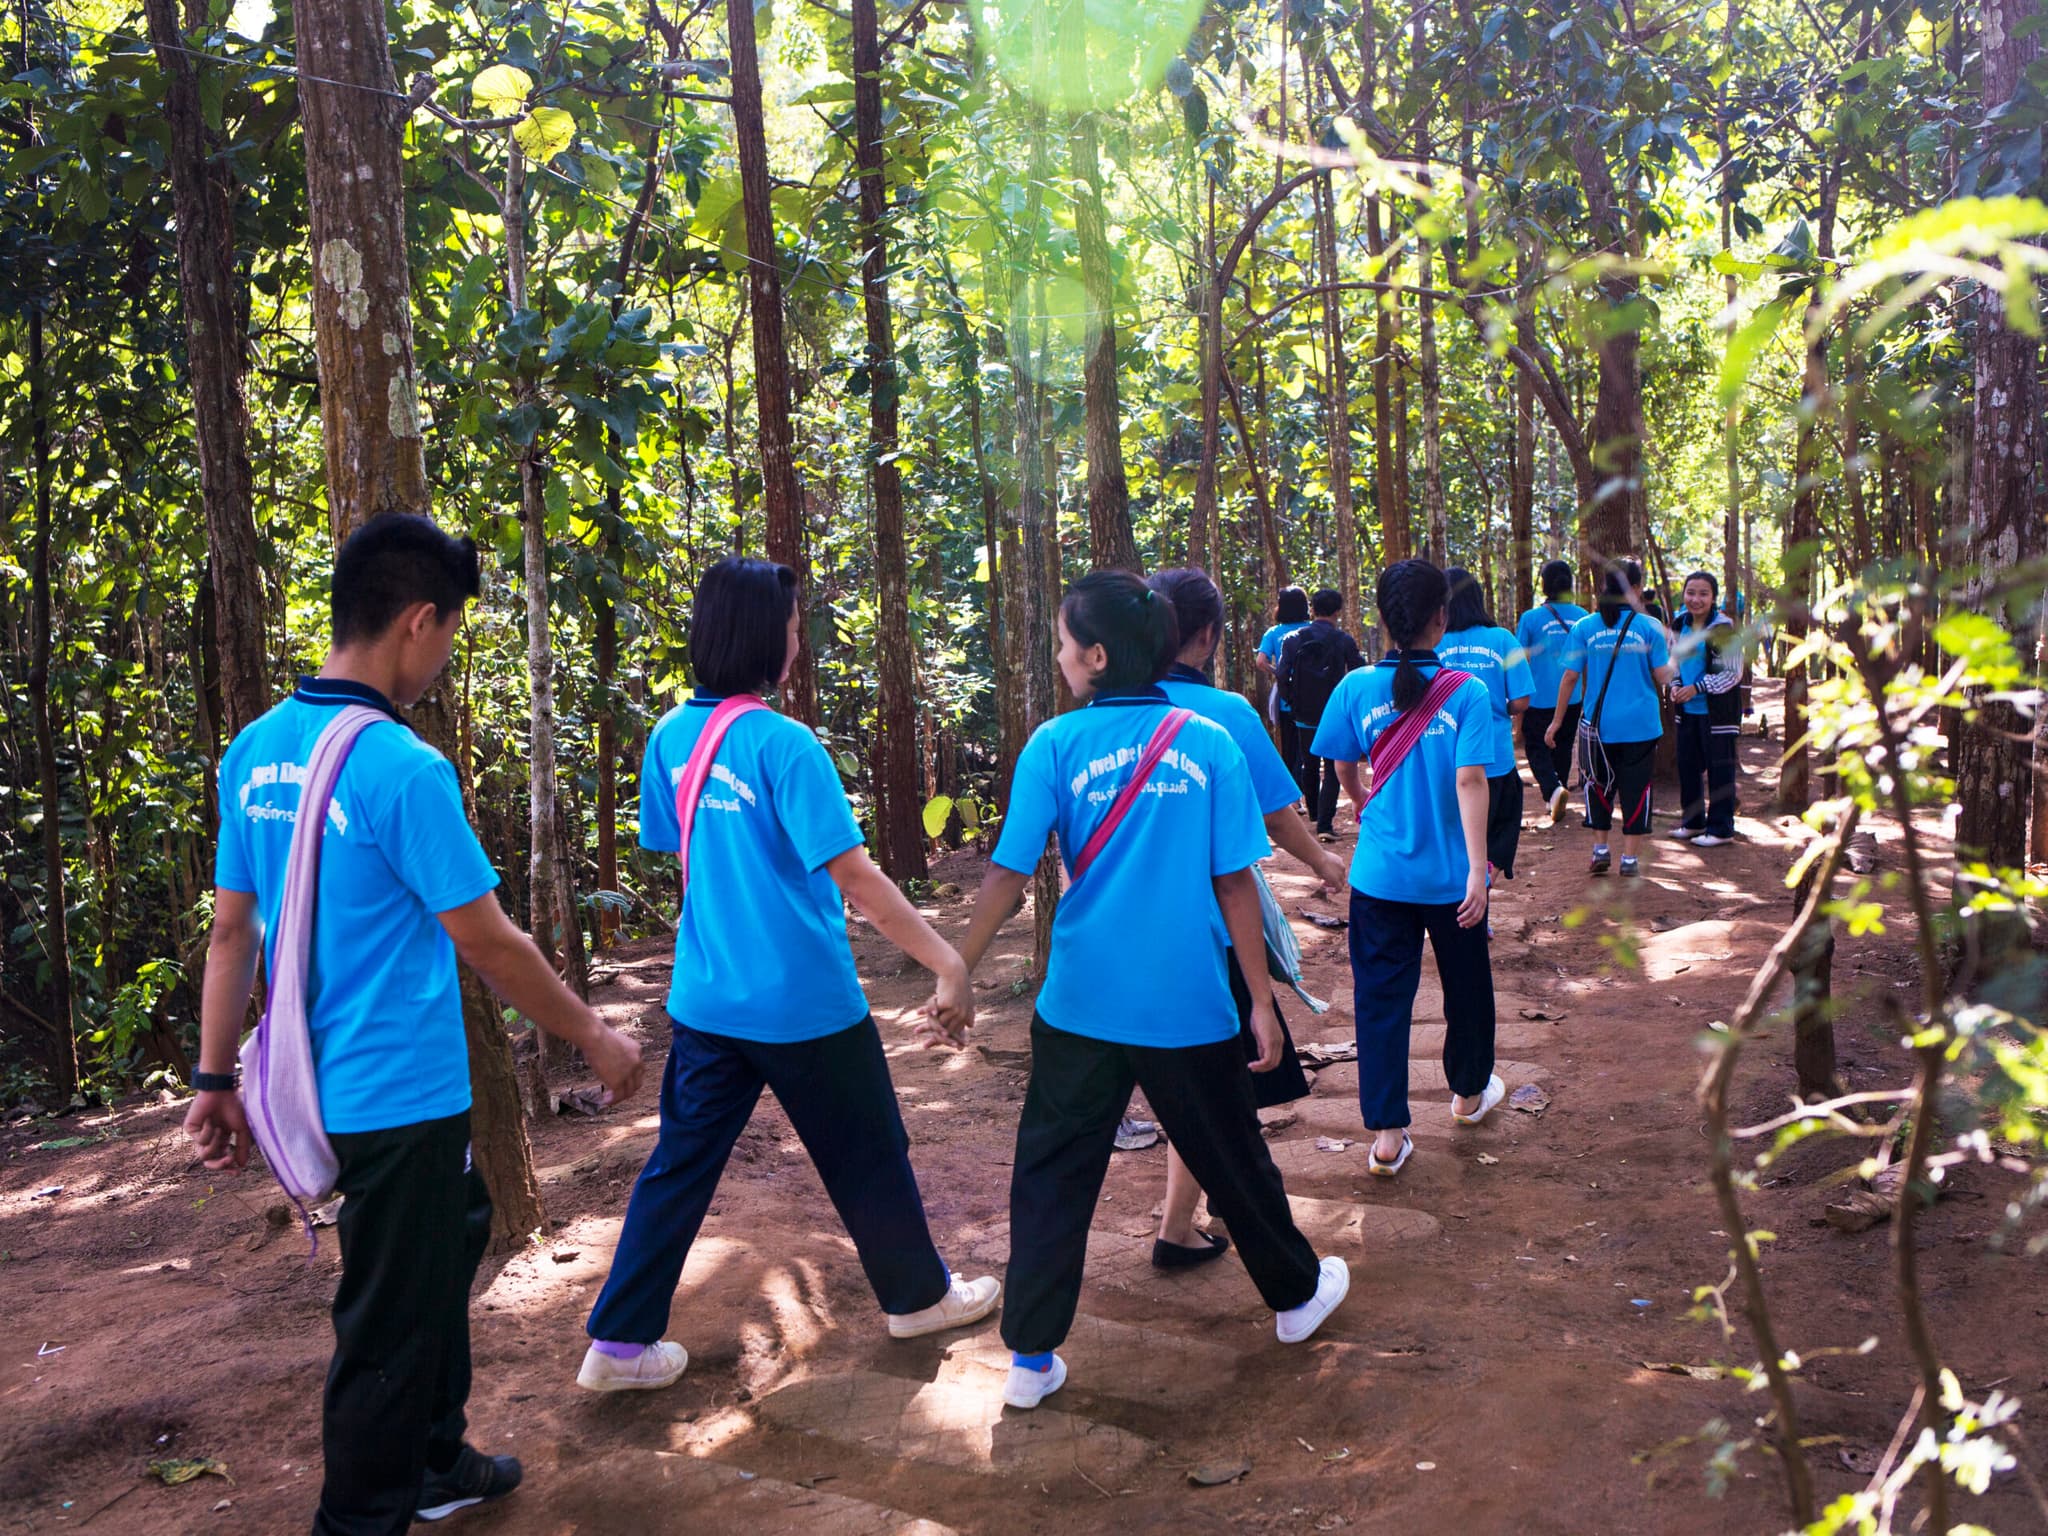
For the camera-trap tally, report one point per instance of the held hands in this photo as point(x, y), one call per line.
point(945, 1020)
point(219, 1130)
point(1683, 693)
point(1266, 1031)
point(615, 1058)
point(1472, 910)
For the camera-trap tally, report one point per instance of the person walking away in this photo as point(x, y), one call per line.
point(1158, 825)
point(1426, 732)
point(402, 888)
point(1290, 614)
point(1476, 645)
point(764, 992)
point(1313, 661)
point(1543, 633)
point(1198, 615)
point(1708, 696)
point(1626, 657)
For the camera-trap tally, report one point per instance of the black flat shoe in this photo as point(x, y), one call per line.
point(1167, 1255)
point(474, 1479)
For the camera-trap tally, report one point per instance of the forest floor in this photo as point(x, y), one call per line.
point(1521, 1295)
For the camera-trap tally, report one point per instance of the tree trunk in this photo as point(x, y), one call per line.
point(216, 366)
point(62, 1053)
point(1201, 548)
point(780, 500)
point(1522, 496)
point(1395, 544)
point(899, 818)
point(1337, 398)
point(1111, 542)
point(362, 332)
point(1993, 756)
point(604, 626)
point(1802, 521)
point(1435, 514)
point(1616, 520)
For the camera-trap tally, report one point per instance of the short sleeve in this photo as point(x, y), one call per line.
point(1523, 637)
point(1521, 681)
point(1473, 711)
point(1660, 646)
point(660, 832)
point(1034, 808)
point(1273, 787)
point(1575, 651)
point(810, 802)
point(1337, 737)
point(427, 837)
point(1237, 831)
point(231, 871)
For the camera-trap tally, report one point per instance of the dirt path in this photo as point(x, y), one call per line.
point(1491, 1370)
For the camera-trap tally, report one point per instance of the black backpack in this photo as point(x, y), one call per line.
point(1317, 666)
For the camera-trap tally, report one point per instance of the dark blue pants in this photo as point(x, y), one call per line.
point(1705, 754)
point(838, 1095)
point(1386, 968)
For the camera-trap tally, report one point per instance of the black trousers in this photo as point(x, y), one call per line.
point(841, 1102)
point(1503, 821)
point(1292, 745)
point(1706, 756)
point(1078, 1091)
point(1317, 777)
point(1551, 765)
point(1631, 795)
point(413, 1230)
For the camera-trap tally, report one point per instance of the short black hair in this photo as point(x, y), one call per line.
point(1466, 603)
point(395, 560)
point(1197, 605)
point(1292, 607)
point(1134, 625)
point(1557, 578)
point(1623, 577)
point(1327, 603)
point(739, 625)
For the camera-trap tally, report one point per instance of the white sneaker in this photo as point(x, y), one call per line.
point(658, 1365)
point(1027, 1388)
point(1489, 1100)
point(1711, 840)
point(1297, 1323)
point(1560, 797)
point(1682, 834)
point(968, 1301)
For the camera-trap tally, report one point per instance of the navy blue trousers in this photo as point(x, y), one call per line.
point(838, 1095)
point(1386, 968)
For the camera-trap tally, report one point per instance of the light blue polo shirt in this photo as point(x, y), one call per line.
point(1269, 647)
point(1492, 655)
point(761, 950)
point(1632, 711)
point(1411, 845)
point(1689, 650)
point(384, 1005)
point(1136, 959)
point(1544, 637)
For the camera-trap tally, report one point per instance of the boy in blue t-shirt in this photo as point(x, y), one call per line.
point(403, 889)
point(1136, 993)
point(1544, 633)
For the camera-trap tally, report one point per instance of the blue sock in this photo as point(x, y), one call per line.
point(1040, 1362)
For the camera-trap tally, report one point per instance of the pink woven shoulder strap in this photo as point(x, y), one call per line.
point(697, 771)
point(1400, 738)
point(1162, 738)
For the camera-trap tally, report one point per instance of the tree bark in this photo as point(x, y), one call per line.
point(1337, 400)
point(362, 314)
point(216, 357)
point(1111, 543)
point(1615, 522)
point(899, 820)
point(780, 499)
point(1993, 755)
point(1201, 546)
point(1522, 495)
point(1395, 543)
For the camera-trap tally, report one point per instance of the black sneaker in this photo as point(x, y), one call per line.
point(474, 1479)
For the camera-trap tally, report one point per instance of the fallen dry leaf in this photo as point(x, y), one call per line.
point(1217, 1473)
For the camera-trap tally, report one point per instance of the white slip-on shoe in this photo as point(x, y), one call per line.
point(1711, 840)
point(965, 1301)
point(1387, 1170)
point(1332, 1286)
point(1489, 1100)
point(658, 1365)
point(1683, 834)
point(1560, 797)
point(1027, 1388)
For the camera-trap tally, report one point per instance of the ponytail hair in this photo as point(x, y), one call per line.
point(1132, 623)
point(1411, 594)
point(1197, 605)
point(1292, 606)
point(1466, 604)
point(1623, 578)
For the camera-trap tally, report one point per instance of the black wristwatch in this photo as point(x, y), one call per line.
point(215, 1082)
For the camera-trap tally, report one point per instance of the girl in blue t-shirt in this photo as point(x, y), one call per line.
point(1420, 866)
point(1136, 991)
point(1709, 699)
point(1624, 657)
point(1474, 643)
point(1290, 614)
point(765, 995)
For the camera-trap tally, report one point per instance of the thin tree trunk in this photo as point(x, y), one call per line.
point(780, 499)
point(1201, 548)
point(210, 292)
point(1395, 543)
point(362, 314)
point(899, 822)
point(1522, 496)
point(1337, 398)
point(1110, 539)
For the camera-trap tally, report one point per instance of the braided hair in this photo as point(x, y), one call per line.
point(1133, 624)
point(1197, 605)
point(1411, 594)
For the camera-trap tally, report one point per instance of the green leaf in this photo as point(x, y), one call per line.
point(1194, 111)
point(1984, 644)
point(936, 812)
point(545, 133)
point(1745, 344)
point(501, 90)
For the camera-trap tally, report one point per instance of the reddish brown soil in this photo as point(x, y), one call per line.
point(1504, 1349)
